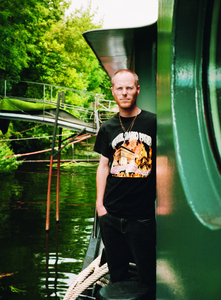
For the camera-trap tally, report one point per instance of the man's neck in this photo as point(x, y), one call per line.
point(127, 113)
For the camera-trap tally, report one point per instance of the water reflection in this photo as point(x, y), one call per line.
point(43, 265)
point(56, 283)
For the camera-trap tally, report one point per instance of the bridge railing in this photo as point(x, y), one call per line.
point(82, 104)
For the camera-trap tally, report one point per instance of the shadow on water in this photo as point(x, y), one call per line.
point(35, 264)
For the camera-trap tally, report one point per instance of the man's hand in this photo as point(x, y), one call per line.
point(102, 173)
point(101, 210)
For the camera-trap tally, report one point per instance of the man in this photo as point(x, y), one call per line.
point(126, 184)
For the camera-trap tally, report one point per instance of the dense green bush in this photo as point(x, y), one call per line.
point(7, 164)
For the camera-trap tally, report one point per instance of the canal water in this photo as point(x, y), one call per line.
point(35, 264)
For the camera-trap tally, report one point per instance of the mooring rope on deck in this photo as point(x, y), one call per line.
point(86, 278)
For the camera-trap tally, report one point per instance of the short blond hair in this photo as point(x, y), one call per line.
point(136, 79)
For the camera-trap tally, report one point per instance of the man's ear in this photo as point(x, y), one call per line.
point(138, 89)
point(112, 90)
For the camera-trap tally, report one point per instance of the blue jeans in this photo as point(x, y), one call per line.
point(125, 238)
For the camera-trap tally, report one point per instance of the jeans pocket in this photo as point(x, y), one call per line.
point(100, 217)
point(144, 221)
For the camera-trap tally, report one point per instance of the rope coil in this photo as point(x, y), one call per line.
point(86, 278)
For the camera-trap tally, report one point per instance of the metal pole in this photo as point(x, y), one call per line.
point(58, 168)
point(95, 224)
point(44, 92)
point(49, 194)
point(51, 163)
point(56, 261)
point(58, 183)
point(43, 101)
point(97, 119)
point(47, 265)
point(5, 87)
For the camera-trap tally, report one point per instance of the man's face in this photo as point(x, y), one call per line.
point(125, 91)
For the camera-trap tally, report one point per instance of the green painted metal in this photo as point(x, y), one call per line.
point(145, 65)
point(188, 178)
point(214, 78)
point(130, 48)
point(197, 167)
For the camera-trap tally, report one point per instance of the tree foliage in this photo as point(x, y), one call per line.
point(10, 163)
point(65, 59)
point(39, 44)
point(30, 134)
point(22, 24)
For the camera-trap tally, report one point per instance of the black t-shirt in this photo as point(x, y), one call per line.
point(131, 184)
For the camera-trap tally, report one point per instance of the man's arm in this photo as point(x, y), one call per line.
point(102, 173)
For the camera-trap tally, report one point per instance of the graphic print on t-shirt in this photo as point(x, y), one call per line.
point(132, 156)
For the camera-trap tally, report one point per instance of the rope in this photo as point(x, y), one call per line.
point(79, 139)
point(32, 138)
point(16, 133)
point(82, 163)
point(86, 278)
point(28, 129)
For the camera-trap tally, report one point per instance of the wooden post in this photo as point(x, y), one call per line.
point(51, 163)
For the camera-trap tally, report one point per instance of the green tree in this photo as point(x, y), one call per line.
point(7, 161)
point(65, 59)
point(36, 137)
point(22, 23)
point(39, 44)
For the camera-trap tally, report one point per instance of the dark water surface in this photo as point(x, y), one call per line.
point(39, 264)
